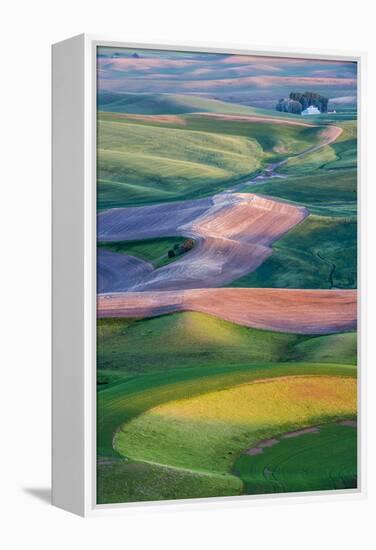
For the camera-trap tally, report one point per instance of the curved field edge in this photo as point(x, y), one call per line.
point(126, 400)
point(207, 432)
point(321, 458)
point(121, 480)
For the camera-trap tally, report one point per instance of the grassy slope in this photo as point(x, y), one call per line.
point(145, 162)
point(130, 481)
point(192, 339)
point(206, 432)
point(167, 104)
point(329, 458)
point(154, 251)
point(322, 251)
point(318, 253)
point(123, 401)
point(327, 193)
point(336, 348)
point(278, 140)
point(140, 164)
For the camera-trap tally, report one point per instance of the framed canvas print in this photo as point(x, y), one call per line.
point(205, 262)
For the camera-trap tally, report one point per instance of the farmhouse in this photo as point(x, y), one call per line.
point(311, 110)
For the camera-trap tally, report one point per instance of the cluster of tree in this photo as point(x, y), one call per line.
point(289, 106)
point(182, 248)
point(297, 102)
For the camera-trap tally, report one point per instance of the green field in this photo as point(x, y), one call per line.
point(277, 140)
point(146, 162)
point(140, 164)
point(154, 251)
point(131, 481)
point(329, 458)
point(193, 354)
point(124, 401)
point(205, 432)
point(321, 252)
point(331, 193)
point(172, 104)
point(191, 339)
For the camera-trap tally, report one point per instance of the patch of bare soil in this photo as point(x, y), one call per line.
point(234, 233)
point(282, 310)
point(268, 443)
point(253, 451)
point(297, 433)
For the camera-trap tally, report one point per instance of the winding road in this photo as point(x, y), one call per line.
point(234, 233)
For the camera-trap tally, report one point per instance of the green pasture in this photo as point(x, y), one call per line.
point(207, 432)
point(119, 477)
point(325, 181)
point(142, 164)
point(192, 339)
point(277, 140)
point(320, 252)
point(120, 480)
point(123, 401)
point(146, 162)
point(310, 462)
point(175, 104)
point(332, 348)
point(326, 193)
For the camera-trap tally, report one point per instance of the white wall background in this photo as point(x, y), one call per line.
point(28, 29)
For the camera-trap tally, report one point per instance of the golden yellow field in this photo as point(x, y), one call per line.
point(213, 428)
point(269, 401)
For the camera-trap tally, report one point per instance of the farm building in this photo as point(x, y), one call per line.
point(311, 110)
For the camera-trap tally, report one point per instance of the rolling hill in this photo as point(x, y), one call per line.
point(160, 104)
point(140, 164)
point(191, 339)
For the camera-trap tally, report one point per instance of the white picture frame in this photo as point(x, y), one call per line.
point(74, 277)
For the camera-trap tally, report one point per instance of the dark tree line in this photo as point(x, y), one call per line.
point(297, 102)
